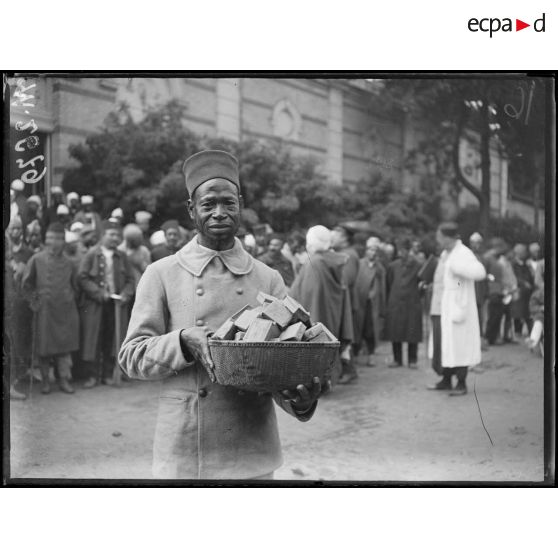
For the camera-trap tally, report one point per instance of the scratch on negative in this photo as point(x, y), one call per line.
point(480, 413)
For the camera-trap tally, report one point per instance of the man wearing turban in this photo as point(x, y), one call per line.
point(206, 430)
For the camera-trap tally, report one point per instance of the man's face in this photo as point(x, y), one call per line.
point(111, 239)
point(89, 239)
point(476, 245)
point(275, 245)
point(33, 207)
point(442, 240)
point(15, 232)
point(144, 226)
point(54, 242)
point(71, 248)
point(415, 247)
point(34, 239)
point(337, 239)
point(57, 198)
point(371, 251)
point(520, 252)
point(535, 251)
point(215, 209)
point(73, 203)
point(172, 237)
point(133, 241)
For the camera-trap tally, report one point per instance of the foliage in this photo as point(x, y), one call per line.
point(139, 166)
point(506, 114)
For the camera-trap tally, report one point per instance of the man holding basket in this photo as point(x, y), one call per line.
point(206, 430)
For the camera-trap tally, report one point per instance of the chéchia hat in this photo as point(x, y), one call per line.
point(109, 225)
point(209, 164)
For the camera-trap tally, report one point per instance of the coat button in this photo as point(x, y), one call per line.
point(240, 290)
point(199, 322)
point(202, 392)
point(199, 291)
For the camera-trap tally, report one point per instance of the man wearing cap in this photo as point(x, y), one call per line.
point(172, 241)
point(74, 249)
point(72, 200)
point(206, 430)
point(63, 216)
point(33, 210)
point(50, 278)
point(138, 255)
point(117, 214)
point(103, 273)
point(143, 221)
point(18, 201)
point(34, 236)
point(56, 199)
point(87, 215)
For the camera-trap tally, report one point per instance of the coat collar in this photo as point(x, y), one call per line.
point(194, 257)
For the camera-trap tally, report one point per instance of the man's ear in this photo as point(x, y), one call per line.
point(190, 206)
point(241, 201)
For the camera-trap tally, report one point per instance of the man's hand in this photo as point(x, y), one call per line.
point(303, 397)
point(195, 341)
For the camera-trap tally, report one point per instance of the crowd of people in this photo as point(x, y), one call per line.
point(71, 277)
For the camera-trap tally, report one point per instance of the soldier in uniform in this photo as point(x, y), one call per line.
point(103, 272)
point(206, 430)
point(51, 279)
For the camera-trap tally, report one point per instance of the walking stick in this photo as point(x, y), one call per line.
point(116, 373)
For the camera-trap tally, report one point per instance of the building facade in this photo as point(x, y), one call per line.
point(333, 120)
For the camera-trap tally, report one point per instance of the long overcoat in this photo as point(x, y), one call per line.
point(203, 430)
point(92, 282)
point(459, 322)
point(370, 284)
point(321, 289)
point(52, 279)
point(404, 309)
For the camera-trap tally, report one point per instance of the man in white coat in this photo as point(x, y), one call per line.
point(455, 343)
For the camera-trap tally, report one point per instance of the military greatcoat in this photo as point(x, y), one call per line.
point(204, 430)
point(52, 279)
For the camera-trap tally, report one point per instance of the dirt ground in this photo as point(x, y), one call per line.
point(385, 427)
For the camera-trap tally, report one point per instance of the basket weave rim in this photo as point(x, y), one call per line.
point(267, 344)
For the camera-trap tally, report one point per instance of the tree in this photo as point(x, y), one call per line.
point(488, 110)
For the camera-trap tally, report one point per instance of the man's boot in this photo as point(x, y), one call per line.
point(443, 384)
point(461, 387)
point(349, 373)
point(65, 386)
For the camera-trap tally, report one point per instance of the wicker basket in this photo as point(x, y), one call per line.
point(269, 367)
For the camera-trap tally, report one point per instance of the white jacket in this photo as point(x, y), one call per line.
point(461, 343)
